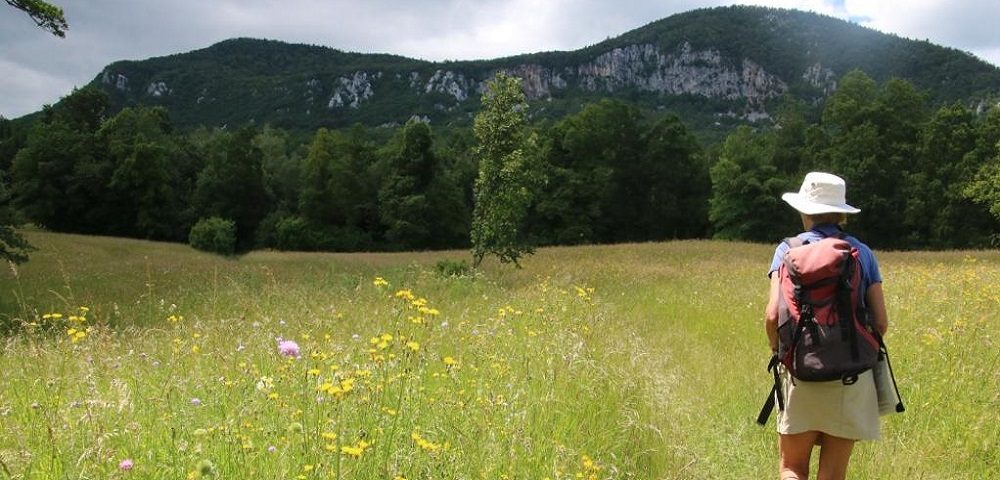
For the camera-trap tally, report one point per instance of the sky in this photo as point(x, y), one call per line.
point(38, 68)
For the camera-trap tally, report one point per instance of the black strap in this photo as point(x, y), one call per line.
point(900, 408)
point(774, 394)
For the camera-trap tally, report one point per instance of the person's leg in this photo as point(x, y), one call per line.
point(834, 455)
point(794, 451)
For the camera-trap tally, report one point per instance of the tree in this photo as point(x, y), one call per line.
point(13, 247)
point(938, 214)
point(746, 190)
point(337, 199)
point(47, 16)
point(231, 185)
point(673, 187)
point(503, 189)
point(148, 188)
point(404, 207)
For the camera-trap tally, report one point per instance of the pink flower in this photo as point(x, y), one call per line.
point(126, 464)
point(288, 348)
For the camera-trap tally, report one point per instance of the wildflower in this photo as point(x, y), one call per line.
point(272, 448)
point(405, 295)
point(196, 402)
point(265, 384)
point(126, 464)
point(413, 346)
point(355, 450)
point(449, 361)
point(427, 445)
point(380, 282)
point(288, 348)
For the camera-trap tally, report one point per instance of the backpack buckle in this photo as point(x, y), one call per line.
point(850, 379)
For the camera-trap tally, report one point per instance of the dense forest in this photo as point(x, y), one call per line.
point(924, 176)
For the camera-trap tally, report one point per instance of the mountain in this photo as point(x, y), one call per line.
point(716, 66)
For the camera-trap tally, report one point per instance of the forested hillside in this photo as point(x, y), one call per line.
point(714, 67)
point(921, 162)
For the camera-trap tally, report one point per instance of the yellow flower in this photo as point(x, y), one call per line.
point(380, 282)
point(413, 346)
point(405, 295)
point(449, 361)
point(355, 450)
point(329, 435)
point(423, 443)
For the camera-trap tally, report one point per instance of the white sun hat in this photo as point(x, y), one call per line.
point(820, 193)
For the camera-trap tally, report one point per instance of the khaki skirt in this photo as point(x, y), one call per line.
point(846, 411)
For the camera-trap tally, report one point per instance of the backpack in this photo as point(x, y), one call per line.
point(823, 328)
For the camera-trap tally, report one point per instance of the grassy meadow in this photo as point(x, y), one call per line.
point(132, 359)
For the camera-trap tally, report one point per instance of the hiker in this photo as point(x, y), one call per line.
point(832, 414)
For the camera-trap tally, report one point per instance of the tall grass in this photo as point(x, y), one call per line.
point(632, 361)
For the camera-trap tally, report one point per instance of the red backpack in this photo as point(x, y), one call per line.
point(823, 329)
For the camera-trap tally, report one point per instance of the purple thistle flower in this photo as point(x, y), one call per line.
point(126, 464)
point(288, 348)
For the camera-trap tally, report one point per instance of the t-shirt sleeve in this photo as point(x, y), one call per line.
point(870, 266)
point(779, 255)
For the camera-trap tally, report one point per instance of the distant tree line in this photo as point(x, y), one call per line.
point(924, 178)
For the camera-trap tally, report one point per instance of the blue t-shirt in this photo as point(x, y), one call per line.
point(869, 267)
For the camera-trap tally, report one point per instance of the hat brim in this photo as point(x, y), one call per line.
point(812, 208)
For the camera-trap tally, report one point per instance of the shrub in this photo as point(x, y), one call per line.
point(452, 268)
point(214, 234)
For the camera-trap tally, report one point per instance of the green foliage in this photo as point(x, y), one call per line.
point(609, 179)
point(244, 80)
point(746, 190)
point(214, 234)
point(150, 175)
point(13, 247)
point(911, 171)
point(503, 189)
point(61, 171)
point(231, 184)
point(985, 187)
point(452, 268)
point(46, 15)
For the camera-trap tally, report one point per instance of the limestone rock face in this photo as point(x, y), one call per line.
point(702, 73)
point(352, 91)
point(450, 83)
point(820, 77)
point(118, 80)
point(157, 89)
point(644, 67)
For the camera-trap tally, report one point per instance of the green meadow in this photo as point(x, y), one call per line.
point(133, 359)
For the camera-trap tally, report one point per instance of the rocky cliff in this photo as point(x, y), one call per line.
point(727, 63)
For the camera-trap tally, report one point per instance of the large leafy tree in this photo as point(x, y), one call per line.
point(746, 190)
point(503, 189)
point(231, 185)
point(151, 176)
point(337, 198)
point(672, 184)
point(46, 15)
point(62, 171)
point(872, 141)
point(938, 214)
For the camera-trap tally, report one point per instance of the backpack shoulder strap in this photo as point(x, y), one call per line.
point(794, 242)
